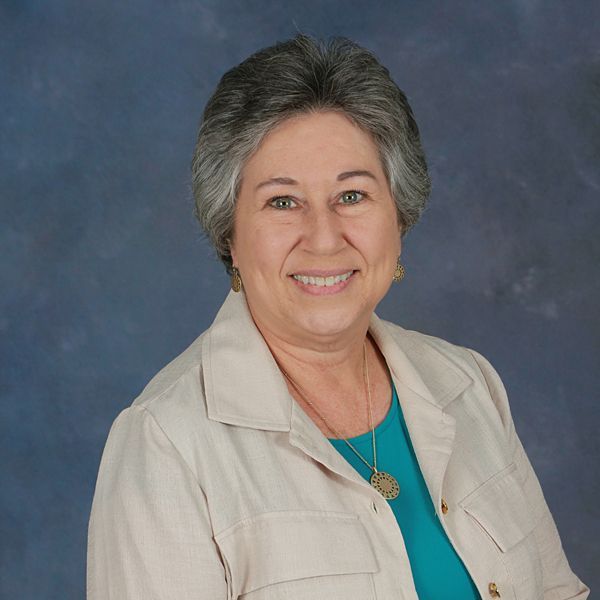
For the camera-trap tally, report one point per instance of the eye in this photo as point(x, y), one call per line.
point(352, 197)
point(282, 202)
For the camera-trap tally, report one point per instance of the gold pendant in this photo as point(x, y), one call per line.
point(385, 484)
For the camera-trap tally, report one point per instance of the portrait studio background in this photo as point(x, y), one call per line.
point(106, 277)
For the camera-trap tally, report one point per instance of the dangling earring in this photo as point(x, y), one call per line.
point(236, 280)
point(399, 272)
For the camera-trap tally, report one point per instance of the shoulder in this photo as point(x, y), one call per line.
point(170, 409)
point(421, 347)
point(427, 352)
point(173, 375)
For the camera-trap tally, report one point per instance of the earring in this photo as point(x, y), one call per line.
point(399, 272)
point(236, 280)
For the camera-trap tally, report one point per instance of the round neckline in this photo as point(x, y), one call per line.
point(368, 436)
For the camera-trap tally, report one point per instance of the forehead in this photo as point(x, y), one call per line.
point(314, 143)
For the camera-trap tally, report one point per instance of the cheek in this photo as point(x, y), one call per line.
point(386, 251)
point(391, 234)
point(269, 247)
point(379, 239)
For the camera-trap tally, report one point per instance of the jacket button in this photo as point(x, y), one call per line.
point(444, 506)
point(493, 588)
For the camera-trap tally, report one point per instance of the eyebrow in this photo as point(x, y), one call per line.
point(290, 181)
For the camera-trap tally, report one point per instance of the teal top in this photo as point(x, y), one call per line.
point(437, 570)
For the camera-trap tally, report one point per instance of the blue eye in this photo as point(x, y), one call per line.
point(351, 197)
point(282, 202)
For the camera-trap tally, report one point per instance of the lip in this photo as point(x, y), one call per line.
point(322, 272)
point(314, 290)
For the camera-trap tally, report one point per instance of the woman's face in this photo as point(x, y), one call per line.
point(316, 235)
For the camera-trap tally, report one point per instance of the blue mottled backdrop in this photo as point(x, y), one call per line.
point(105, 275)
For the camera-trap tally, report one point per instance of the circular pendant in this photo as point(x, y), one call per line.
point(385, 484)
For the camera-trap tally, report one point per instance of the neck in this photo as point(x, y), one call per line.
point(324, 365)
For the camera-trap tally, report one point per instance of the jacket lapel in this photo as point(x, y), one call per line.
point(426, 382)
point(244, 387)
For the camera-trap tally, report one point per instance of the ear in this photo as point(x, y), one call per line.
point(232, 251)
point(401, 231)
point(401, 226)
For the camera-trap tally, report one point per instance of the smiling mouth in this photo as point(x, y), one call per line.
point(322, 281)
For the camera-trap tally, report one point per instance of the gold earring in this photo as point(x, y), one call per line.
point(236, 280)
point(399, 272)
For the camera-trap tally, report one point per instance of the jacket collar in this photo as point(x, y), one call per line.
point(244, 386)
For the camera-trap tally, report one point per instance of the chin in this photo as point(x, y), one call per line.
point(328, 323)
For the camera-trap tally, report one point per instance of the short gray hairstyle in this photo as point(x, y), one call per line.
point(302, 75)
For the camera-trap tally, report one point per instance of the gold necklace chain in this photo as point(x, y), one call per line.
point(383, 482)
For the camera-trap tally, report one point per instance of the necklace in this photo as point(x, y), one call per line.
point(383, 482)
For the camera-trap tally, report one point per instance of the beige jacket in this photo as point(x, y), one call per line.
point(215, 485)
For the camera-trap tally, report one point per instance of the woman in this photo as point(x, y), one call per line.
point(302, 447)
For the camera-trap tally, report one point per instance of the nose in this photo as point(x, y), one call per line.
point(323, 231)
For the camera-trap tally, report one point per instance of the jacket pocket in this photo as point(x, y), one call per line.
point(299, 554)
point(500, 507)
point(501, 510)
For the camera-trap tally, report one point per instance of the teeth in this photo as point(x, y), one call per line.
point(322, 281)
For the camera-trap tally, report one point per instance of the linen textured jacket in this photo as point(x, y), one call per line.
point(215, 484)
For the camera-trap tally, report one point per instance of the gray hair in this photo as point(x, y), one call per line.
point(302, 75)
